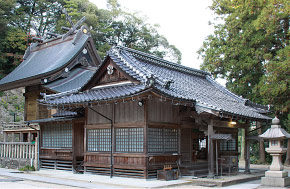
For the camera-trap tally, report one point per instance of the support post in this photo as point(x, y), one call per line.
point(29, 137)
point(247, 153)
point(210, 150)
point(262, 158)
point(36, 154)
point(216, 158)
point(242, 156)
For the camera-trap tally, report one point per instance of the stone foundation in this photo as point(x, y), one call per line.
point(14, 163)
point(275, 181)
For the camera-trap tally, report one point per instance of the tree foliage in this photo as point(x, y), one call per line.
point(250, 49)
point(112, 26)
point(118, 27)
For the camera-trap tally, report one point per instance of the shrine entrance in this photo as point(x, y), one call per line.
point(199, 146)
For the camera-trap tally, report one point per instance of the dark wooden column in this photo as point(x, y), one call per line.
point(262, 158)
point(210, 150)
point(29, 137)
point(242, 155)
point(247, 153)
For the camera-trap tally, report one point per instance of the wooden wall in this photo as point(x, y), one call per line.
point(32, 109)
point(186, 145)
point(162, 112)
point(78, 140)
point(127, 112)
point(31, 106)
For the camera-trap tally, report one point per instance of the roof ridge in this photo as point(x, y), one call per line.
point(140, 70)
point(165, 63)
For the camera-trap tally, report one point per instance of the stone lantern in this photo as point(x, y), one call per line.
point(276, 176)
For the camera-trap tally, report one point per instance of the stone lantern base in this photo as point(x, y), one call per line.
point(276, 178)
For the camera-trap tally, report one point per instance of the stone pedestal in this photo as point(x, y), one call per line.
point(276, 178)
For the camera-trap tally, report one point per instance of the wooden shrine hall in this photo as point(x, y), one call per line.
point(130, 115)
point(142, 113)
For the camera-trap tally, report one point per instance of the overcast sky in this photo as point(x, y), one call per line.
point(183, 22)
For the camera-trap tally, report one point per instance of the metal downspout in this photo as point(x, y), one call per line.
point(111, 166)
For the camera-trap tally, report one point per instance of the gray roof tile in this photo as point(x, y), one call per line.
point(188, 84)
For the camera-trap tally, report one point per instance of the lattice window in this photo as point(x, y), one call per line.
point(229, 145)
point(57, 136)
point(162, 140)
point(129, 140)
point(99, 140)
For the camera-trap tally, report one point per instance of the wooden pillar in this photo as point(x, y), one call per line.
point(74, 145)
point(262, 158)
point(210, 150)
point(29, 137)
point(242, 156)
point(36, 153)
point(247, 153)
point(21, 137)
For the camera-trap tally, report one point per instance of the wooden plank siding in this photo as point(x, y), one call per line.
point(186, 145)
point(123, 115)
point(162, 112)
point(54, 153)
point(128, 112)
point(33, 110)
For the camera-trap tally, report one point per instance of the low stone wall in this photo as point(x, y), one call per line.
point(14, 163)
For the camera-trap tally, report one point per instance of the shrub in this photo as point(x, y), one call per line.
point(27, 168)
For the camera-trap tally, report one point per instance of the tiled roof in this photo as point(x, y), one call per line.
point(63, 113)
point(170, 79)
point(75, 80)
point(44, 61)
point(97, 94)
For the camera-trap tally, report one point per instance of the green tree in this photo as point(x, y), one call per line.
point(250, 49)
point(44, 13)
point(108, 27)
point(117, 27)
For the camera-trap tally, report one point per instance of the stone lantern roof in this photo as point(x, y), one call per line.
point(275, 132)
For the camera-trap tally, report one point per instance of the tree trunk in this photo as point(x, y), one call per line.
point(287, 161)
point(262, 159)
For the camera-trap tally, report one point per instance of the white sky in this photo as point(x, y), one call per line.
point(183, 22)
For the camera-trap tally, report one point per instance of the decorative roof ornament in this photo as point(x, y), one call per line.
point(68, 18)
point(73, 26)
point(168, 83)
point(110, 69)
point(275, 132)
point(150, 81)
point(39, 37)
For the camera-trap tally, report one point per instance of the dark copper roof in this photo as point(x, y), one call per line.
point(75, 80)
point(43, 59)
